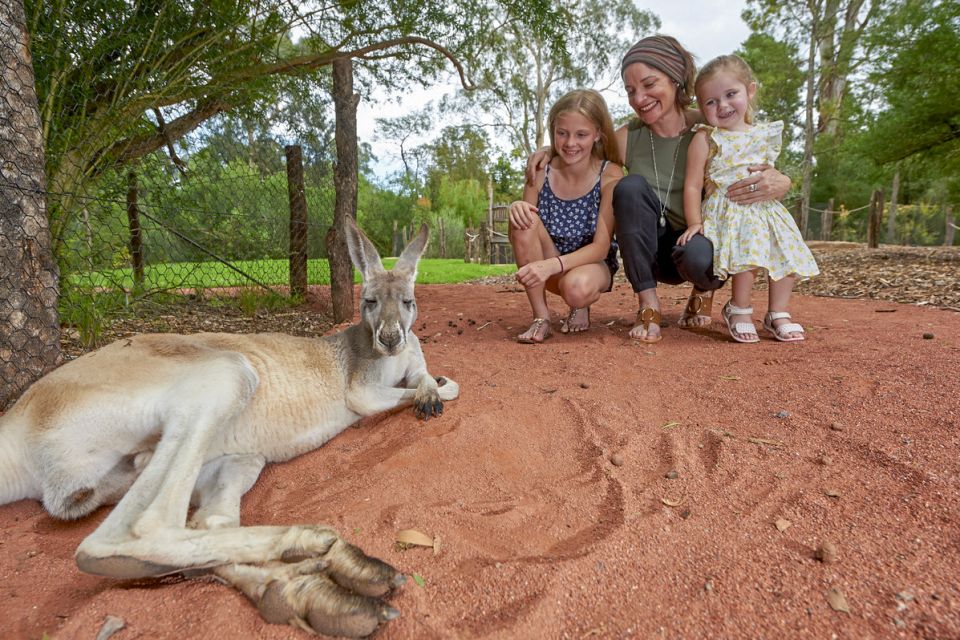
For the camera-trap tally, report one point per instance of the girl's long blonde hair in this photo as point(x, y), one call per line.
point(731, 63)
point(591, 105)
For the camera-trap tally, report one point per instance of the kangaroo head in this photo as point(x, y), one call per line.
point(387, 305)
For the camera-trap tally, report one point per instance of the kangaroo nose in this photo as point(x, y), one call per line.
point(390, 338)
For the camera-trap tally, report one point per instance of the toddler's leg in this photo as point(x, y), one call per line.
point(738, 313)
point(777, 310)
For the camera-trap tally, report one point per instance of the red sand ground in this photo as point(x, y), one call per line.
point(544, 537)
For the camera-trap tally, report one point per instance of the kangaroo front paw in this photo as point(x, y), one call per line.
point(427, 405)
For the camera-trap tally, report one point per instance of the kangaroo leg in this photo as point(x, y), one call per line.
point(368, 399)
point(221, 484)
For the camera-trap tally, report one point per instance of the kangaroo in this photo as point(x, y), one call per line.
point(159, 423)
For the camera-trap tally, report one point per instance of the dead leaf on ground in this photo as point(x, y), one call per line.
point(837, 601)
point(831, 493)
point(782, 524)
point(730, 377)
point(414, 538)
point(673, 503)
point(670, 425)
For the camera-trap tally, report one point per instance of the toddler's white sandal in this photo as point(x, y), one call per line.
point(782, 332)
point(745, 332)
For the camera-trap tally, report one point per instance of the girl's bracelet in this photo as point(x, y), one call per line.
point(561, 263)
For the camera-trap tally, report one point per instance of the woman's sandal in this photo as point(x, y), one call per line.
point(782, 331)
point(568, 326)
point(741, 331)
point(699, 307)
point(648, 316)
point(536, 334)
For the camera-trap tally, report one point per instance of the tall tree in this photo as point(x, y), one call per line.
point(524, 73)
point(779, 73)
point(29, 323)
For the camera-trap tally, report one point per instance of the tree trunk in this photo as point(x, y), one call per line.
point(826, 226)
point(29, 281)
point(808, 129)
point(873, 219)
point(892, 216)
point(345, 184)
point(298, 222)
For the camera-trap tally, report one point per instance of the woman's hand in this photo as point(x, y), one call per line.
point(764, 183)
point(537, 161)
point(522, 215)
point(538, 272)
point(691, 231)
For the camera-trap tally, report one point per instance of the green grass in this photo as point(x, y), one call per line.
point(209, 275)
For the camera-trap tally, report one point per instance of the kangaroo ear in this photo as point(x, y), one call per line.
point(362, 252)
point(411, 254)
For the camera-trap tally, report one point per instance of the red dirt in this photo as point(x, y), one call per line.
point(544, 537)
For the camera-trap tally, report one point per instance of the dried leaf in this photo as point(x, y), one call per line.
point(837, 600)
point(730, 377)
point(420, 581)
point(831, 493)
point(670, 425)
point(414, 537)
point(436, 545)
point(782, 524)
point(673, 503)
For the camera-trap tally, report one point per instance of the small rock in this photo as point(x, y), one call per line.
point(827, 553)
point(32, 553)
point(671, 475)
point(685, 513)
point(459, 332)
point(905, 596)
point(928, 336)
point(782, 414)
point(826, 460)
point(111, 625)
point(836, 426)
point(616, 460)
point(900, 624)
point(782, 524)
point(584, 385)
point(708, 587)
point(831, 492)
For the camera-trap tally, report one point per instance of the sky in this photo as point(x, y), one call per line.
point(707, 28)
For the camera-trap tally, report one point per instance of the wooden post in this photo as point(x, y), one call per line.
point(484, 243)
point(873, 219)
point(298, 221)
point(443, 238)
point(892, 216)
point(395, 249)
point(826, 224)
point(345, 181)
point(133, 220)
point(951, 227)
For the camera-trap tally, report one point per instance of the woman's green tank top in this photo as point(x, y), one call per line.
point(639, 160)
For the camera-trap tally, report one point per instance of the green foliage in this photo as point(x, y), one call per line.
point(779, 74)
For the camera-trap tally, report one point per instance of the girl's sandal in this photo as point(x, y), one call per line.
point(538, 332)
point(570, 324)
point(783, 331)
point(646, 317)
point(740, 331)
point(697, 313)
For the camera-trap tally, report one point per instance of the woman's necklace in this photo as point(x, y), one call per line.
point(656, 175)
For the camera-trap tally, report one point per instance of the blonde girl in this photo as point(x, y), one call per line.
point(746, 238)
point(562, 229)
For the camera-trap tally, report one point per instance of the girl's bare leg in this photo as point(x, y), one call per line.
point(779, 300)
point(530, 245)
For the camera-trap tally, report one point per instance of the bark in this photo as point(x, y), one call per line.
point(809, 131)
point(345, 185)
point(892, 216)
point(29, 281)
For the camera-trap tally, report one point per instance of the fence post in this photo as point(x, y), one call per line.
point(892, 216)
point(826, 225)
point(484, 243)
point(133, 220)
point(873, 220)
point(443, 238)
point(298, 221)
point(950, 226)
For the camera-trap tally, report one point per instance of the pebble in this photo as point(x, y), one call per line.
point(836, 426)
point(685, 513)
point(671, 475)
point(616, 460)
point(584, 385)
point(782, 414)
point(826, 460)
point(928, 336)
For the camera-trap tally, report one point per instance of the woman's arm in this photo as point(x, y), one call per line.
point(693, 185)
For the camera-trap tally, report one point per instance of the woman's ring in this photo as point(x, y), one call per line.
point(753, 188)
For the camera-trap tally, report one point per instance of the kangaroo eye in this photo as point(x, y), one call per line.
point(370, 301)
point(408, 302)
